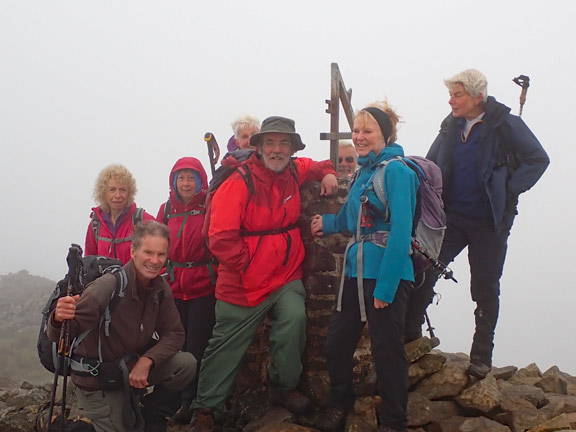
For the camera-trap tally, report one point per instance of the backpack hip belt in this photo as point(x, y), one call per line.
point(190, 264)
point(282, 230)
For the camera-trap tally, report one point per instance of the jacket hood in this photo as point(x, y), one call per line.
point(195, 165)
point(496, 112)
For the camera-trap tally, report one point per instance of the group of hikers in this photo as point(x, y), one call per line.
point(203, 274)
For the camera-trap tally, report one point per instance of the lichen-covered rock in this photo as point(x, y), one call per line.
point(448, 381)
point(483, 395)
point(468, 424)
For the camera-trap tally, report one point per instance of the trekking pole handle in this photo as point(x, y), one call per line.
point(213, 150)
point(524, 82)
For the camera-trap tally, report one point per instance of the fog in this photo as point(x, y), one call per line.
point(86, 84)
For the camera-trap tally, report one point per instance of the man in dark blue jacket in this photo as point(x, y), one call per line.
point(488, 158)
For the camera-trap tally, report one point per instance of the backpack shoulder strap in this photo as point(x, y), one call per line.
point(138, 215)
point(167, 208)
point(95, 225)
point(244, 172)
point(378, 181)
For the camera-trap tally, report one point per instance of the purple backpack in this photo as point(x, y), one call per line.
point(429, 219)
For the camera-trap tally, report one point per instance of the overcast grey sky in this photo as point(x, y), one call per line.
point(85, 84)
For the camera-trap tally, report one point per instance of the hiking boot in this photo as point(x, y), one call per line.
point(202, 420)
point(183, 415)
point(292, 400)
point(332, 420)
point(478, 369)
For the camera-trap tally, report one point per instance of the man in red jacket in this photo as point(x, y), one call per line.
point(253, 234)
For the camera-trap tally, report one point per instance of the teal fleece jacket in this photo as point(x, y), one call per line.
point(391, 264)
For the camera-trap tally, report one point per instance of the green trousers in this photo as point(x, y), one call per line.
point(234, 331)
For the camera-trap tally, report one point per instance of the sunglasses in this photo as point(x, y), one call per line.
point(349, 159)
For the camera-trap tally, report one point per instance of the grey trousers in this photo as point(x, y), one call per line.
point(105, 407)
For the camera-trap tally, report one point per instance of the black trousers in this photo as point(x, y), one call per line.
point(386, 335)
point(486, 256)
point(198, 319)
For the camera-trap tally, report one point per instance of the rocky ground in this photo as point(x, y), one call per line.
point(442, 399)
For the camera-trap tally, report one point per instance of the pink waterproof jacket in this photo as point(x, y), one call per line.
point(112, 244)
point(189, 274)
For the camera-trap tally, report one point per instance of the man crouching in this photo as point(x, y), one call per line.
point(144, 337)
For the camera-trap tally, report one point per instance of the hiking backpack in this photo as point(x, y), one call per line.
point(93, 266)
point(137, 216)
point(429, 217)
point(233, 161)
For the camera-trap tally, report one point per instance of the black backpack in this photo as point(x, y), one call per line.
point(93, 266)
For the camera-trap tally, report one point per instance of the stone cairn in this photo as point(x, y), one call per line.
point(443, 398)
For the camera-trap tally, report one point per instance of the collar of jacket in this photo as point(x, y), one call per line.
point(388, 152)
point(259, 170)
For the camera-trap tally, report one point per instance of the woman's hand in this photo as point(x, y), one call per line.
point(379, 304)
point(65, 308)
point(316, 225)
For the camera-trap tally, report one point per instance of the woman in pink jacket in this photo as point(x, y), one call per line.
point(110, 230)
point(190, 270)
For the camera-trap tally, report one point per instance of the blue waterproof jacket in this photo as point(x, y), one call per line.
point(504, 137)
point(390, 264)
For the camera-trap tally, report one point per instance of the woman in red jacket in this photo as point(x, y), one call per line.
point(190, 271)
point(110, 230)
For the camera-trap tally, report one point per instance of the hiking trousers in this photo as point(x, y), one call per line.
point(234, 331)
point(386, 328)
point(197, 316)
point(486, 256)
point(105, 408)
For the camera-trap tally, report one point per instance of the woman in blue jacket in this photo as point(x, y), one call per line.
point(378, 271)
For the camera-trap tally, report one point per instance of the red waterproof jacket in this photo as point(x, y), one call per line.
point(115, 245)
point(188, 271)
point(253, 265)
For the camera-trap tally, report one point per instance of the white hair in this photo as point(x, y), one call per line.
point(473, 81)
point(244, 122)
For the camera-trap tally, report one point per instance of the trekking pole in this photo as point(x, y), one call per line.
point(444, 270)
point(213, 150)
point(75, 282)
point(524, 82)
point(430, 328)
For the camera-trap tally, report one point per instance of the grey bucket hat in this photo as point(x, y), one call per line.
point(277, 124)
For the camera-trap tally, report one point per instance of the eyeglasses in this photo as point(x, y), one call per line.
point(284, 144)
point(348, 159)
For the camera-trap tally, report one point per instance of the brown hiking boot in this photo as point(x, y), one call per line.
point(202, 420)
point(332, 420)
point(292, 400)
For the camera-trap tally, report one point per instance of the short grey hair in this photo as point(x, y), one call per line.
point(473, 81)
point(342, 144)
point(149, 228)
point(244, 122)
